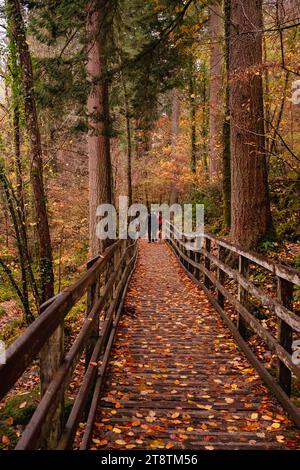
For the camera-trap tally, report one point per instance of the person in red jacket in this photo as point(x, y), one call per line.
point(160, 222)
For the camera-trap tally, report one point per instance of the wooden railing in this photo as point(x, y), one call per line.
point(105, 284)
point(230, 289)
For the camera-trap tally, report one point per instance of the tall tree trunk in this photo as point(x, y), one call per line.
point(16, 96)
point(98, 139)
point(36, 176)
point(205, 115)
point(175, 115)
point(129, 159)
point(226, 124)
point(250, 205)
point(51, 355)
point(21, 209)
point(215, 95)
point(129, 139)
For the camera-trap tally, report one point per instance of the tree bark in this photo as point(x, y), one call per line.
point(192, 100)
point(129, 139)
point(215, 95)
point(205, 115)
point(16, 99)
point(226, 124)
point(175, 115)
point(250, 205)
point(36, 173)
point(51, 355)
point(98, 139)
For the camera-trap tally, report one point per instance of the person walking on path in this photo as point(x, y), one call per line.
point(160, 222)
point(152, 227)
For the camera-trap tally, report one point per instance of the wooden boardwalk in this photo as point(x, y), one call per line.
point(176, 378)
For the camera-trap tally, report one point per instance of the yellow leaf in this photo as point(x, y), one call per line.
point(101, 443)
point(120, 442)
point(229, 400)
point(204, 407)
point(276, 425)
point(117, 430)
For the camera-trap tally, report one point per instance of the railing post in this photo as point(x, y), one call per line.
point(188, 254)
point(242, 295)
point(207, 281)
point(116, 259)
point(285, 333)
point(51, 357)
point(197, 260)
point(192, 255)
point(221, 275)
point(92, 295)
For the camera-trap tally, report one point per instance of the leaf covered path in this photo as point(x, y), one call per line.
point(176, 378)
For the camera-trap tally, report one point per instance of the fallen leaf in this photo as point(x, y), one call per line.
point(275, 425)
point(120, 442)
point(117, 430)
point(229, 400)
point(5, 440)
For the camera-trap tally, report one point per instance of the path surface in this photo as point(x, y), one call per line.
point(176, 378)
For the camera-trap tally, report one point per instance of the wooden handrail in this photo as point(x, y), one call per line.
point(22, 352)
point(278, 269)
point(118, 264)
point(288, 321)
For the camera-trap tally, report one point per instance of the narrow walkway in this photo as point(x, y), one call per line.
point(176, 378)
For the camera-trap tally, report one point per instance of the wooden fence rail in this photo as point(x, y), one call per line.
point(105, 284)
point(208, 268)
